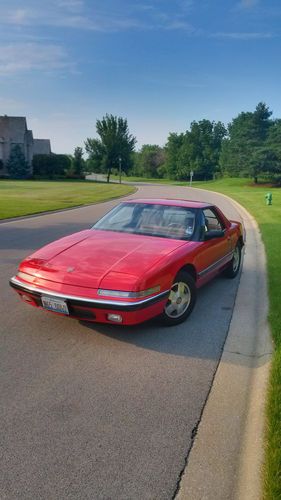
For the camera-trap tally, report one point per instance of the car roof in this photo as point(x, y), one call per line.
point(170, 202)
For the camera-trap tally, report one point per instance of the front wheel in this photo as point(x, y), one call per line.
point(181, 300)
point(233, 268)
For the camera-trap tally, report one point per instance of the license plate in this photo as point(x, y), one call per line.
point(55, 305)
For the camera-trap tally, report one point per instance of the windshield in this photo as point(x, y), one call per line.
point(153, 220)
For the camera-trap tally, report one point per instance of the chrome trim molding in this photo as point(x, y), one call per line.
point(14, 282)
point(215, 264)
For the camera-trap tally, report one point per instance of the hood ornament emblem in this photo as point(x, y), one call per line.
point(70, 269)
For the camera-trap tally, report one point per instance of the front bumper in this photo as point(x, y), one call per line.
point(132, 312)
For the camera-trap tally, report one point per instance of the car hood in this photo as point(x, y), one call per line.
point(84, 259)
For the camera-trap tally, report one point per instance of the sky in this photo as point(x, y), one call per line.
point(159, 63)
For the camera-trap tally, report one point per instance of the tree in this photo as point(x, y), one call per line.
point(172, 155)
point(148, 160)
point(265, 160)
point(78, 164)
point(115, 144)
point(17, 165)
point(247, 133)
point(197, 150)
point(270, 154)
point(205, 140)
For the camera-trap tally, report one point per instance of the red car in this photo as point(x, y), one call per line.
point(144, 258)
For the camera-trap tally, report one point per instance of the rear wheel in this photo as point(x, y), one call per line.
point(233, 268)
point(181, 300)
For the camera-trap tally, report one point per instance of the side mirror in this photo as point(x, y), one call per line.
point(214, 233)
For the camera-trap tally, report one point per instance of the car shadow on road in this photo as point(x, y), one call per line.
point(201, 335)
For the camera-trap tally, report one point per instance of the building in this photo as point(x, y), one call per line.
point(41, 147)
point(14, 131)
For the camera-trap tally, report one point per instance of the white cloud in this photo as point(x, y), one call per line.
point(185, 4)
point(76, 14)
point(71, 4)
point(243, 35)
point(23, 57)
point(17, 16)
point(99, 23)
point(144, 7)
point(248, 4)
point(58, 17)
point(177, 24)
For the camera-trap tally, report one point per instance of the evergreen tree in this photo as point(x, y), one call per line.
point(247, 134)
point(270, 153)
point(17, 165)
point(78, 163)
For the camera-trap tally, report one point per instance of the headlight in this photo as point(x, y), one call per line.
point(23, 276)
point(126, 295)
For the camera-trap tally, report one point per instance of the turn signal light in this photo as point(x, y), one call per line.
point(26, 298)
point(116, 318)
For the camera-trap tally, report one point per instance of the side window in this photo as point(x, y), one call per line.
point(212, 222)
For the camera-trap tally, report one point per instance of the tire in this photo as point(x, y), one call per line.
point(233, 268)
point(181, 300)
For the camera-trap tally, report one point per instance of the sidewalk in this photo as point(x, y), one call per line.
point(226, 458)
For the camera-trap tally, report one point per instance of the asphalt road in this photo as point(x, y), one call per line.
point(98, 412)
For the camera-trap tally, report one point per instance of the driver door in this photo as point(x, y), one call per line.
point(215, 252)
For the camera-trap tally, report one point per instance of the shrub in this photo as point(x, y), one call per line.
point(50, 165)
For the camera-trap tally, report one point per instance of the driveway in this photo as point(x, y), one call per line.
point(100, 412)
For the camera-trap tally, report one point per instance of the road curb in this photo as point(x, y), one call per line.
point(226, 458)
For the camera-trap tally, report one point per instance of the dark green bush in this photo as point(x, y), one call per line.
point(50, 166)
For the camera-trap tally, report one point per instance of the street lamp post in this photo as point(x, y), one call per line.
point(120, 170)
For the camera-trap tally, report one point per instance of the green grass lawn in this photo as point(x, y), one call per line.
point(19, 198)
point(269, 220)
